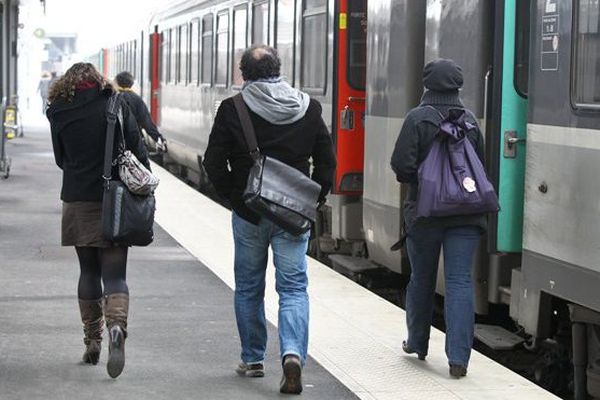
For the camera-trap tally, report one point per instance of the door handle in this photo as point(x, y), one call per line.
point(511, 141)
point(510, 144)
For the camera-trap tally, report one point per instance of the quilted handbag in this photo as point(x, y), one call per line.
point(138, 179)
point(276, 191)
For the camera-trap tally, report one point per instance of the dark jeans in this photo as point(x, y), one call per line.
point(423, 245)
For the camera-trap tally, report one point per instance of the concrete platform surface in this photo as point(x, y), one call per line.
point(183, 341)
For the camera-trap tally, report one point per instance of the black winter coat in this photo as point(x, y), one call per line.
point(140, 112)
point(78, 139)
point(412, 146)
point(228, 163)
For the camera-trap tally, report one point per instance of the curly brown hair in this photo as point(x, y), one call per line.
point(64, 88)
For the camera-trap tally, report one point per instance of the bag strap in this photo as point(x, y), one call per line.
point(112, 110)
point(437, 111)
point(247, 127)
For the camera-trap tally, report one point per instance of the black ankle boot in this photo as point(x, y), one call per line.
point(458, 371)
point(409, 350)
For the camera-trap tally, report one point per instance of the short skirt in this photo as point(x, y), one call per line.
point(82, 224)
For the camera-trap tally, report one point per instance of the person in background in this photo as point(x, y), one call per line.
point(77, 115)
point(458, 235)
point(138, 108)
point(43, 89)
point(289, 127)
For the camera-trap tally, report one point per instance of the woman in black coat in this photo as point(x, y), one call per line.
point(77, 115)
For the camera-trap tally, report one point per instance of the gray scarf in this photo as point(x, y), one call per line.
point(275, 100)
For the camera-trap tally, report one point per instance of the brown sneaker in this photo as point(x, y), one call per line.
point(291, 381)
point(251, 370)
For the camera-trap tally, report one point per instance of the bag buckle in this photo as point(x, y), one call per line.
point(255, 154)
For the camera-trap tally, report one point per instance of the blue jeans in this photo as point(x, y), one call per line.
point(423, 245)
point(289, 256)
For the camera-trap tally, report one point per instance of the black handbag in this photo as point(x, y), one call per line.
point(127, 218)
point(278, 192)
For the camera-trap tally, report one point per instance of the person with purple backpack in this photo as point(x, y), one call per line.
point(440, 154)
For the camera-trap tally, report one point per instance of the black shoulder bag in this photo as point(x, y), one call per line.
point(127, 219)
point(278, 192)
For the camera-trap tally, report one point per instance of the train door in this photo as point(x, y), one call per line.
point(155, 46)
point(510, 111)
point(395, 39)
point(507, 129)
point(450, 25)
point(350, 98)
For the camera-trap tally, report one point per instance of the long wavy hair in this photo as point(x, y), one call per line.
point(65, 87)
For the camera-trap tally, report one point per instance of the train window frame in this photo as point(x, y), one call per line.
point(234, 67)
point(292, 78)
point(575, 104)
point(210, 54)
point(169, 56)
point(134, 61)
point(308, 13)
point(226, 32)
point(184, 54)
point(255, 6)
point(523, 29)
point(163, 57)
point(198, 62)
point(174, 53)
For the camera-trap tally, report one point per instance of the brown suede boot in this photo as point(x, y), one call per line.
point(116, 308)
point(91, 316)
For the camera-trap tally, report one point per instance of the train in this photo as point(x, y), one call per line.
point(532, 78)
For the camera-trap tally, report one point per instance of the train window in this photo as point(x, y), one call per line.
point(586, 82)
point(260, 23)
point(130, 57)
point(134, 59)
point(207, 48)
point(284, 37)
point(522, 47)
point(311, 4)
point(222, 46)
point(357, 44)
point(164, 51)
point(194, 51)
point(119, 57)
point(183, 57)
point(174, 53)
point(314, 46)
point(240, 28)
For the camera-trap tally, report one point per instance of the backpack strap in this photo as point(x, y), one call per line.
point(438, 112)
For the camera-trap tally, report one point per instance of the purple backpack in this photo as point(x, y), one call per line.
point(452, 180)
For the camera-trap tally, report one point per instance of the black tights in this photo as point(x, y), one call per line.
point(101, 265)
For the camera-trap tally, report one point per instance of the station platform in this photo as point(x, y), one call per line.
point(183, 341)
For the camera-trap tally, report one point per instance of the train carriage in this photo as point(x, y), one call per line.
point(532, 78)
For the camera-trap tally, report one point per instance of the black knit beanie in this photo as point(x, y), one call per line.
point(442, 75)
